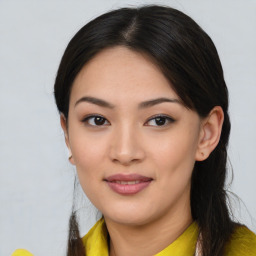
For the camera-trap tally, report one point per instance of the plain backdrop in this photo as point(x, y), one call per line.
point(36, 179)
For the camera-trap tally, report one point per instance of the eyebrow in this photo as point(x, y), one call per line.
point(144, 104)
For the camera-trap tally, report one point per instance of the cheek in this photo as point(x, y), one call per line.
point(89, 153)
point(88, 158)
point(175, 170)
point(177, 151)
point(175, 160)
point(87, 148)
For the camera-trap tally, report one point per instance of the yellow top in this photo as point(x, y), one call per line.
point(22, 252)
point(242, 242)
point(96, 244)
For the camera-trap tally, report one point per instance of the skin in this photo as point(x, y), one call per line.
point(129, 141)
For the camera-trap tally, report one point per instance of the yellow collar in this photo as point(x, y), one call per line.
point(96, 241)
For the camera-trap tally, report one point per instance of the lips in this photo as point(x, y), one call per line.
point(128, 184)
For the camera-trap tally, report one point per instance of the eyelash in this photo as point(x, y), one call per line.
point(168, 118)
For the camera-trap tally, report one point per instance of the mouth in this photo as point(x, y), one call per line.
point(128, 184)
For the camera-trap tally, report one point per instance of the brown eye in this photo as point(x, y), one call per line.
point(160, 121)
point(95, 120)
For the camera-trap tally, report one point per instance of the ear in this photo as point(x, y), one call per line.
point(209, 133)
point(64, 125)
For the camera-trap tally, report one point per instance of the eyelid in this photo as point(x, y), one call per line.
point(86, 118)
point(170, 119)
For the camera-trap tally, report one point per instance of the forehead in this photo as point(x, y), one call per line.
point(119, 73)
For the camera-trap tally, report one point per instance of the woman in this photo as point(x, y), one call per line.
point(144, 109)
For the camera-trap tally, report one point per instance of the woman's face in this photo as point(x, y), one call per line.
point(133, 142)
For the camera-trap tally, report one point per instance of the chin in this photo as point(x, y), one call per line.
point(130, 217)
point(130, 220)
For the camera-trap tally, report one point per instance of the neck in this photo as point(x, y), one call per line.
point(134, 240)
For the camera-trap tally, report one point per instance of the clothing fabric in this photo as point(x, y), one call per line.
point(22, 252)
point(96, 243)
point(242, 242)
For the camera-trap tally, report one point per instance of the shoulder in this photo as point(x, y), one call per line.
point(242, 243)
point(21, 252)
point(96, 240)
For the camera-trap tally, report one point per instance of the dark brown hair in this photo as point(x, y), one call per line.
point(188, 58)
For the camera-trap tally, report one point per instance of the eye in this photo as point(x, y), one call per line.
point(160, 120)
point(95, 120)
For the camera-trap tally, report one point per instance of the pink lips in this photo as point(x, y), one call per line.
point(127, 184)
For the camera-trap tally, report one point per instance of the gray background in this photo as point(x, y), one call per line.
point(36, 180)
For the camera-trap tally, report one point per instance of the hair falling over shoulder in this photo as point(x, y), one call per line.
point(75, 244)
point(189, 60)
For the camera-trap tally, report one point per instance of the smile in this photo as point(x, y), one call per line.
point(127, 184)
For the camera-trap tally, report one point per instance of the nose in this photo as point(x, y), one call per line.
point(126, 146)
